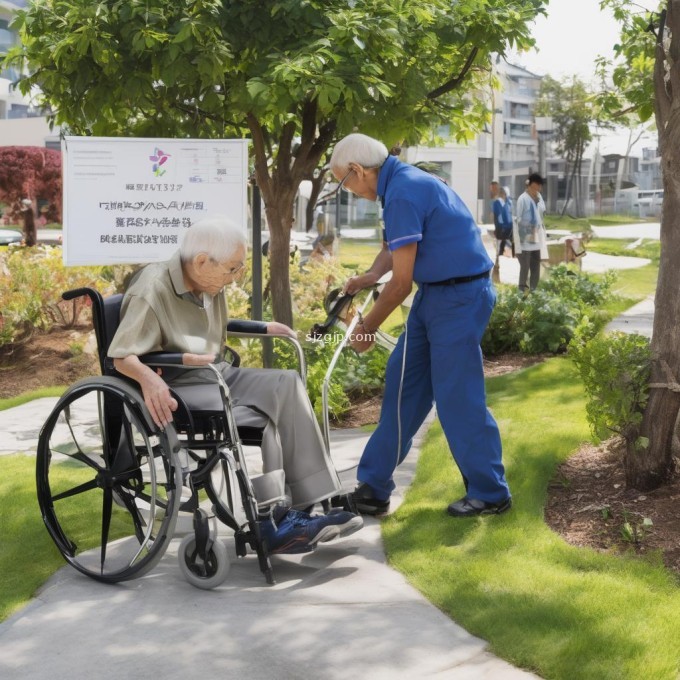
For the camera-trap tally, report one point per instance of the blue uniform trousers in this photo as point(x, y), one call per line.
point(441, 360)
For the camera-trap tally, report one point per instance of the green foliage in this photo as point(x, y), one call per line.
point(635, 530)
point(578, 287)
point(353, 374)
point(310, 286)
point(569, 103)
point(615, 370)
point(530, 324)
point(627, 83)
point(153, 67)
point(31, 283)
point(276, 70)
point(547, 319)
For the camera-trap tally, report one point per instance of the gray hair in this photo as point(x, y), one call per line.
point(217, 236)
point(358, 148)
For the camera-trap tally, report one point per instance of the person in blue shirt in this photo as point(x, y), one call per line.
point(430, 238)
point(502, 219)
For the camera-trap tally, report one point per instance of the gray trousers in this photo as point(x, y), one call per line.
point(294, 459)
point(529, 267)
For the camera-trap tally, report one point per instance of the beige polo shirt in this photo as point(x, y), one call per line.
point(159, 314)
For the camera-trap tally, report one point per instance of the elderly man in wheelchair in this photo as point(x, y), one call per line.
point(179, 306)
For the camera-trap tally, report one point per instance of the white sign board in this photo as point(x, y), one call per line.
point(129, 200)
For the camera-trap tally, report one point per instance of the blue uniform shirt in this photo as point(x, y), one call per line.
point(419, 207)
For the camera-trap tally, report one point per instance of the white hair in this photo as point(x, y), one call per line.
point(358, 148)
point(217, 236)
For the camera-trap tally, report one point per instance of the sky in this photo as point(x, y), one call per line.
point(568, 40)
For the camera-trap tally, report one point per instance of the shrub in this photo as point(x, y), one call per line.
point(309, 288)
point(578, 287)
point(31, 283)
point(546, 320)
point(615, 369)
point(530, 324)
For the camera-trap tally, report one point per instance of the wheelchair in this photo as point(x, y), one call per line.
point(102, 461)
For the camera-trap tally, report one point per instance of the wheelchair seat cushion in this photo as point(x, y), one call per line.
point(206, 397)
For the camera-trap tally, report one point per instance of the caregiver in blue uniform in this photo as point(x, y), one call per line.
point(430, 238)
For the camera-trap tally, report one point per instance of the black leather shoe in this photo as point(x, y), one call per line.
point(366, 503)
point(470, 507)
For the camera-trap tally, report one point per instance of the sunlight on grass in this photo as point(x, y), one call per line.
point(28, 557)
point(562, 611)
point(637, 283)
point(30, 396)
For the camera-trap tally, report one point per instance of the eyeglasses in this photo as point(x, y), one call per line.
point(342, 186)
point(231, 271)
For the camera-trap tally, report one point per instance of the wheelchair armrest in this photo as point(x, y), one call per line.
point(302, 364)
point(246, 326)
point(162, 358)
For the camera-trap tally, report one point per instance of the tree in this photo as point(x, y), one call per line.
point(569, 103)
point(281, 71)
point(30, 172)
point(646, 80)
point(49, 185)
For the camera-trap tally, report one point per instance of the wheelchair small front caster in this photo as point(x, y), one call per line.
point(203, 559)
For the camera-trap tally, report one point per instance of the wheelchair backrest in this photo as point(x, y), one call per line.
point(105, 319)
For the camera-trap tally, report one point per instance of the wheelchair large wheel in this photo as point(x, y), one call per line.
point(108, 481)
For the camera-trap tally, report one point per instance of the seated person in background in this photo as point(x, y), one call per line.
point(180, 306)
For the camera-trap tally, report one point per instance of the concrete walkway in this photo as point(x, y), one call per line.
point(340, 612)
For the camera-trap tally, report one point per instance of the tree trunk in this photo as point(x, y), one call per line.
point(650, 468)
point(646, 469)
point(30, 232)
point(279, 218)
point(317, 185)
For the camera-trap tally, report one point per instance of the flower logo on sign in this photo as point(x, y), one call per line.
point(159, 158)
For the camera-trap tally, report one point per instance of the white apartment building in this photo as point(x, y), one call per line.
point(21, 124)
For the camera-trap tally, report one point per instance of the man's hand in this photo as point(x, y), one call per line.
point(361, 340)
point(276, 328)
point(157, 398)
point(357, 283)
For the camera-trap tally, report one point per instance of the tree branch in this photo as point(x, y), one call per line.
point(309, 110)
point(455, 82)
point(662, 99)
point(283, 156)
point(195, 111)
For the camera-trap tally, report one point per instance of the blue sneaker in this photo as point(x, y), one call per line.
point(337, 523)
point(297, 532)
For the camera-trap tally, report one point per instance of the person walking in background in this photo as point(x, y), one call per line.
point(529, 234)
point(502, 221)
point(494, 189)
point(430, 238)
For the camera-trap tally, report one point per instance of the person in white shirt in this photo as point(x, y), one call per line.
point(529, 236)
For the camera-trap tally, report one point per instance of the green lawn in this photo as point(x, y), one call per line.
point(649, 248)
point(357, 254)
point(561, 611)
point(30, 396)
point(28, 557)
